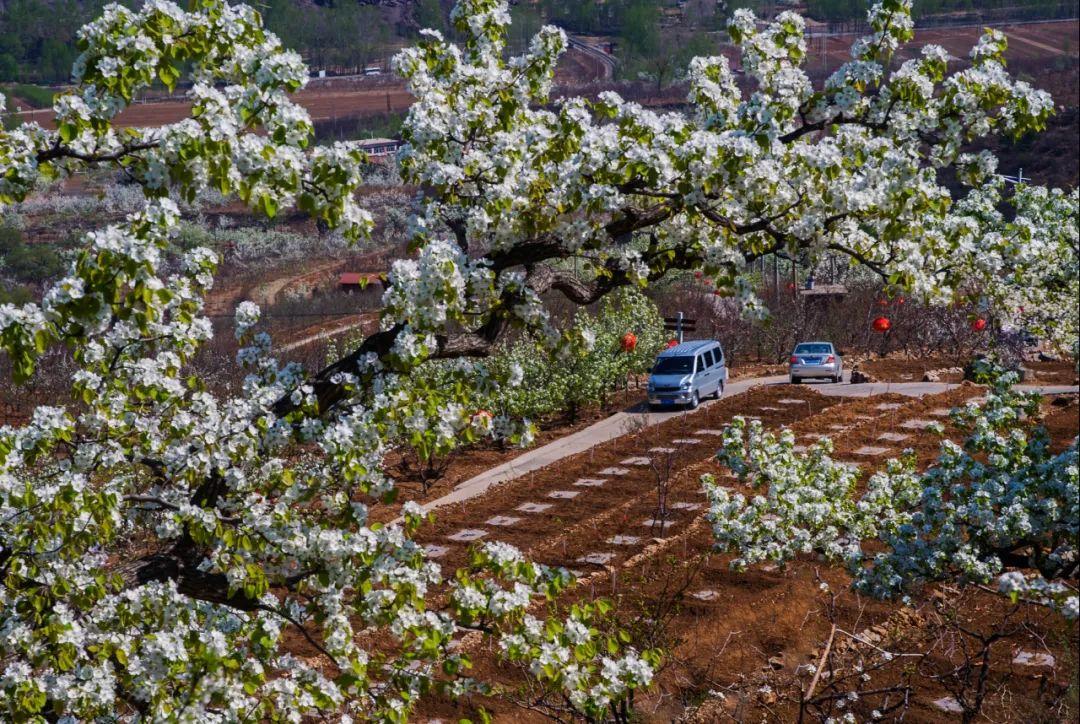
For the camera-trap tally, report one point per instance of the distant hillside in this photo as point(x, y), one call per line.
point(37, 37)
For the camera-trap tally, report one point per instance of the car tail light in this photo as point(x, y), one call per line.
point(830, 360)
point(794, 360)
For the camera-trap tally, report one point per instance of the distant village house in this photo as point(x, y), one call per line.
point(380, 149)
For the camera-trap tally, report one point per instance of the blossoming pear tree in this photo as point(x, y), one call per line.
point(157, 539)
point(1003, 507)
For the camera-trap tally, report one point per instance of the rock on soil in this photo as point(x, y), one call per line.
point(859, 377)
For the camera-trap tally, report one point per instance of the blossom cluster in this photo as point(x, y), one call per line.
point(1003, 490)
point(156, 539)
point(571, 657)
point(848, 168)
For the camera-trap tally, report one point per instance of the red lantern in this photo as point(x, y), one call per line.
point(883, 302)
point(628, 342)
point(717, 292)
point(979, 324)
point(672, 343)
point(882, 324)
point(707, 281)
point(697, 275)
point(900, 300)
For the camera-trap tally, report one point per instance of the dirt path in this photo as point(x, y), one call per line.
point(356, 322)
point(266, 294)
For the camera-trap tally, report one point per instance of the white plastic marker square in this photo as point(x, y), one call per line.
point(533, 507)
point(685, 506)
point(467, 535)
point(635, 461)
point(917, 424)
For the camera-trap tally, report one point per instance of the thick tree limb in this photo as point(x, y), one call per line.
point(58, 151)
point(178, 566)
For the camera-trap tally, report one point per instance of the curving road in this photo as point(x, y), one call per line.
point(606, 61)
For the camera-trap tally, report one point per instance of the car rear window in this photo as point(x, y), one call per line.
point(673, 365)
point(814, 349)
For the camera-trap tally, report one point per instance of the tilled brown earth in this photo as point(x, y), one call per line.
point(745, 633)
point(589, 510)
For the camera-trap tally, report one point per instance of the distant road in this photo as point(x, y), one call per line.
point(606, 61)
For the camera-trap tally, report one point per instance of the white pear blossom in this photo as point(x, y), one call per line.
point(158, 539)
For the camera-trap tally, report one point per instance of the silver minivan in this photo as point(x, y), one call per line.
point(686, 373)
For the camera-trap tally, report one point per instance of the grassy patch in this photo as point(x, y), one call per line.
point(34, 95)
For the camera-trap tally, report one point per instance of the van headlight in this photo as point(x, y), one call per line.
point(685, 385)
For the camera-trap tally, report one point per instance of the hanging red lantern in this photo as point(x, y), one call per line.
point(979, 324)
point(628, 342)
point(883, 302)
point(672, 343)
point(882, 324)
point(707, 281)
point(717, 292)
point(900, 300)
point(697, 274)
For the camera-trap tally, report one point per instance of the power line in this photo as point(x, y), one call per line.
point(291, 315)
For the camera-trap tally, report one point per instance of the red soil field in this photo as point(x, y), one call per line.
point(754, 628)
point(1027, 42)
point(328, 99)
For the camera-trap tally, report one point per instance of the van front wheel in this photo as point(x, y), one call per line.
point(694, 400)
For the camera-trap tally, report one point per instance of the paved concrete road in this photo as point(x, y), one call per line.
point(639, 417)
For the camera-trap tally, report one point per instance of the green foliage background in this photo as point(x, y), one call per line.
point(557, 386)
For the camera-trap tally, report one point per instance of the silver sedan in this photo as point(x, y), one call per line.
point(815, 360)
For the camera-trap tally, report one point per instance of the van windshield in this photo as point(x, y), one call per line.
point(673, 366)
point(814, 349)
